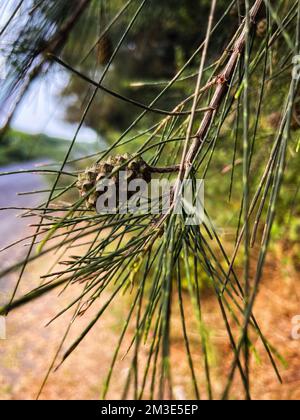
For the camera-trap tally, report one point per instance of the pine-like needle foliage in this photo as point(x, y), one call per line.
point(151, 258)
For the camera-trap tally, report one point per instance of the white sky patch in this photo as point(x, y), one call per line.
point(42, 110)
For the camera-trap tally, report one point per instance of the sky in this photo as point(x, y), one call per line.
point(42, 110)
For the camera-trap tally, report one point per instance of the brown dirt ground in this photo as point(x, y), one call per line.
point(29, 348)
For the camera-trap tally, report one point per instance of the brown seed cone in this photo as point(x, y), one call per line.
point(105, 50)
point(137, 168)
point(261, 28)
point(275, 118)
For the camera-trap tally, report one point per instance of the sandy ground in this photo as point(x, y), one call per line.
point(30, 347)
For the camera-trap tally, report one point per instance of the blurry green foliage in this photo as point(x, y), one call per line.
point(165, 35)
point(22, 147)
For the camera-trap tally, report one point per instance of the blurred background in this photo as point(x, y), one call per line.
point(38, 132)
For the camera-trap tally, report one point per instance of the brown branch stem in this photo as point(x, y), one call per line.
point(164, 170)
point(222, 83)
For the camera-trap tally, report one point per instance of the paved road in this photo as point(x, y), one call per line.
point(12, 227)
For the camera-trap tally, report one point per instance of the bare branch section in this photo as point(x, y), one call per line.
point(222, 83)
